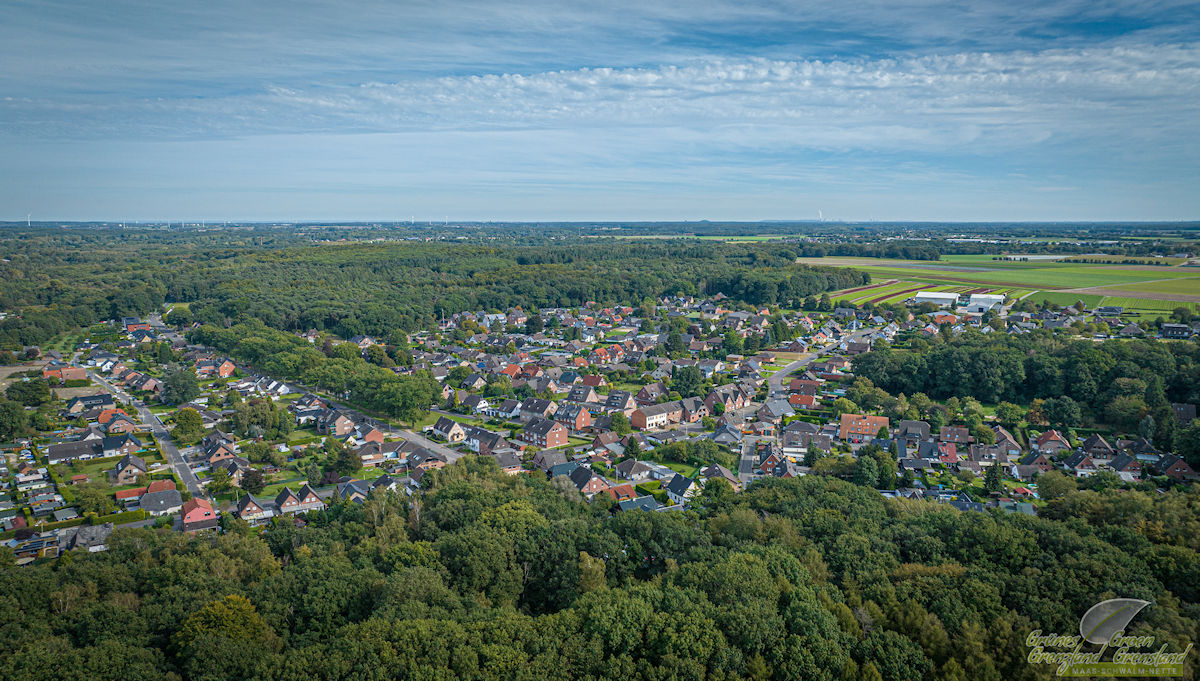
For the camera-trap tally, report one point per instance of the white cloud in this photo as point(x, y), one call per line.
point(696, 100)
point(1144, 95)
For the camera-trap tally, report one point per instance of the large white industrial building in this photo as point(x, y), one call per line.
point(941, 298)
point(982, 302)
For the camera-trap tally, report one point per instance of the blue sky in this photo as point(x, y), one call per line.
point(696, 109)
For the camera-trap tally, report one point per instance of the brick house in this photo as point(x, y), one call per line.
point(860, 427)
point(574, 416)
point(198, 514)
point(128, 469)
point(544, 433)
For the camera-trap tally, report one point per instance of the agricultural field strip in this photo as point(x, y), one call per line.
point(891, 291)
point(1041, 274)
point(1147, 303)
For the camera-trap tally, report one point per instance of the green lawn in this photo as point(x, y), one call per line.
point(687, 470)
point(296, 436)
point(1146, 304)
point(274, 488)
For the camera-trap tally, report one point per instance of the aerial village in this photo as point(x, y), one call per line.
point(637, 408)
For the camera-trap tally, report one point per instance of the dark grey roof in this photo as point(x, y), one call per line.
point(565, 468)
point(130, 459)
point(580, 476)
point(548, 458)
point(507, 459)
point(679, 484)
point(160, 502)
point(541, 426)
point(664, 408)
point(643, 503)
point(73, 450)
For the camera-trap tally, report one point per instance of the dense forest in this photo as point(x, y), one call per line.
point(1120, 383)
point(290, 280)
point(495, 577)
point(371, 278)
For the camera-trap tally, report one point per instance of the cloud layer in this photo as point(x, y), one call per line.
point(532, 104)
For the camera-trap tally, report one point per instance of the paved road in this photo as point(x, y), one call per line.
point(777, 388)
point(450, 454)
point(776, 379)
point(174, 457)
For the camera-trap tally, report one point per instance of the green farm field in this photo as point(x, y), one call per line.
point(890, 292)
point(1134, 281)
point(1183, 286)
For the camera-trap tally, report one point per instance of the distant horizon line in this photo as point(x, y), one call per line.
point(204, 222)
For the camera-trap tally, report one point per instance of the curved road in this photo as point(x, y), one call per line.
point(451, 455)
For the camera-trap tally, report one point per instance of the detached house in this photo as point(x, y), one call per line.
point(198, 514)
point(1080, 464)
point(860, 427)
point(656, 416)
point(1051, 442)
point(128, 469)
point(587, 482)
point(680, 489)
point(334, 423)
point(693, 409)
point(634, 470)
point(620, 400)
point(650, 394)
point(214, 368)
point(582, 394)
point(1175, 467)
point(1126, 466)
point(1037, 460)
point(450, 429)
point(537, 407)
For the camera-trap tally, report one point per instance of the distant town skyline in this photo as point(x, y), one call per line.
point(533, 111)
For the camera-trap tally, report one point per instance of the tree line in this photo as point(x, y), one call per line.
point(57, 280)
point(1119, 383)
point(489, 576)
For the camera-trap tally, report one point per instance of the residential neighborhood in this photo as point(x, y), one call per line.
point(643, 410)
